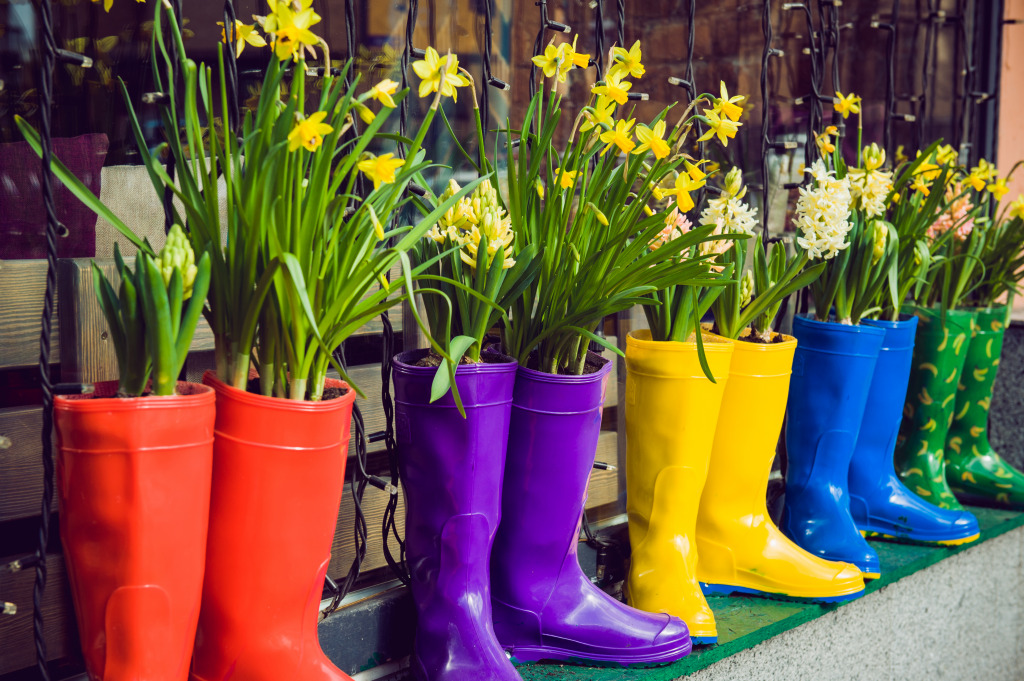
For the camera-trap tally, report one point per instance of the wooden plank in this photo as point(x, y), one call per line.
point(17, 646)
point(22, 283)
point(84, 334)
point(21, 466)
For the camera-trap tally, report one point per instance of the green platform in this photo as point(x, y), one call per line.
point(745, 621)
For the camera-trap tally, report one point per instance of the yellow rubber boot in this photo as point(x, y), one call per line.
point(741, 550)
point(671, 410)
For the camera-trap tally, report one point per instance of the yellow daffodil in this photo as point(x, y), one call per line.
point(732, 107)
point(243, 34)
point(998, 188)
point(684, 185)
point(309, 132)
point(627, 62)
point(430, 68)
point(289, 29)
point(901, 155)
point(567, 179)
point(847, 104)
point(382, 92)
point(824, 141)
point(550, 61)
point(921, 185)
point(980, 174)
point(568, 59)
point(580, 60)
point(601, 114)
point(653, 139)
point(694, 171)
point(929, 171)
point(723, 127)
point(381, 169)
point(613, 88)
point(1017, 207)
point(619, 136)
point(945, 154)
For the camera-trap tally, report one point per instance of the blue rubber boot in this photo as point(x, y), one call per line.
point(832, 372)
point(881, 505)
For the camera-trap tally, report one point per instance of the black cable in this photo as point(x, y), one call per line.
point(406, 62)
point(47, 61)
point(357, 485)
point(620, 16)
point(691, 84)
point(231, 65)
point(389, 528)
point(172, 49)
point(766, 116)
point(598, 36)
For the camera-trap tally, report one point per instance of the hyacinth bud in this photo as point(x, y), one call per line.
point(746, 288)
point(451, 190)
point(734, 183)
point(177, 254)
point(874, 157)
point(878, 235)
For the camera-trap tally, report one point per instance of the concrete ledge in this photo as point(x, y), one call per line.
point(937, 613)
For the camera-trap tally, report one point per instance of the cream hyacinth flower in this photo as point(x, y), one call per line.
point(729, 214)
point(473, 217)
point(868, 185)
point(823, 213)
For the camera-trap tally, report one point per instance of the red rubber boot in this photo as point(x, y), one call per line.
point(278, 472)
point(133, 477)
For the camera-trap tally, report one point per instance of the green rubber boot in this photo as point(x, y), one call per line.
point(975, 472)
point(939, 352)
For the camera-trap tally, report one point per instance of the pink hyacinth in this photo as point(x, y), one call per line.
point(956, 215)
point(676, 225)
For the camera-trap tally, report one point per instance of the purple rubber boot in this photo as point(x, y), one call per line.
point(451, 470)
point(545, 607)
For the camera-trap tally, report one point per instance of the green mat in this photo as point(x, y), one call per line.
point(745, 621)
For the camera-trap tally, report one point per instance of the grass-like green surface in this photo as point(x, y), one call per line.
point(745, 621)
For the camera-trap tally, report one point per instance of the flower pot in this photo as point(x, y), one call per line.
point(671, 412)
point(880, 503)
point(133, 479)
point(940, 349)
point(832, 369)
point(975, 472)
point(452, 469)
point(278, 472)
point(545, 607)
point(741, 549)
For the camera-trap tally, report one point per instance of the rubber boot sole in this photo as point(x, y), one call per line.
point(871, 534)
point(728, 589)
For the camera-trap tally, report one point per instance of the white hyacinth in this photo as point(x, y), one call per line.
point(869, 189)
point(728, 214)
point(823, 213)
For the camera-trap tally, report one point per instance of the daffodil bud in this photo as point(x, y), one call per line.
point(598, 214)
point(378, 228)
point(177, 254)
point(746, 288)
